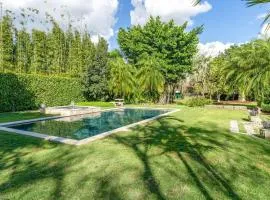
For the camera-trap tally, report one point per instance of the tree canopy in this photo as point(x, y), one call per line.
point(165, 41)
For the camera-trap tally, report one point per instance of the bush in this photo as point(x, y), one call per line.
point(265, 107)
point(25, 92)
point(196, 101)
point(96, 103)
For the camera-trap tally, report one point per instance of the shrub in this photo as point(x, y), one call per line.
point(265, 107)
point(96, 103)
point(25, 92)
point(197, 101)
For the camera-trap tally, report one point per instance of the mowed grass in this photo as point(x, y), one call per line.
point(265, 116)
point(97, 104)
point(188, 155)
point(17, 116)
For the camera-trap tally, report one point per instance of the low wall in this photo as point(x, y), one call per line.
point(227, 107)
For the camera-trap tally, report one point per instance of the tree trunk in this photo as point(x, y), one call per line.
point(218, 97)
point(242, 97)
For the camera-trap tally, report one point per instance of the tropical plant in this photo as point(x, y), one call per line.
point(167, 42)
point(201, 65)
point(121, 83)
point(150, 78)
point(247, 67)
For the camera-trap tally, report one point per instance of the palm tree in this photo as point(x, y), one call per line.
point(249, 2)
point(248, 67)
point(150, 78)
point(121, 82)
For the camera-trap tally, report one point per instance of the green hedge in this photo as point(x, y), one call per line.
point(96, 103)
point(265, 107)
point(25, 92)
point(195, 102)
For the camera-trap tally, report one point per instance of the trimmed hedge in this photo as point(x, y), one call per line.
point(195, 102)
point(265, 107)
point(96, 103)
point(25, 92)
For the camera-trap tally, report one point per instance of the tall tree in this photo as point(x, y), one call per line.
point(166, 41)
point(74, 57)
point(39, 62)
point(150, 78)
point(247, 68)
point(87, 51)
point(201, 74)
point(121, 83)
point(95, 79)
point(6, 44)
point(23, 51)
point(56, 48)
point(216, 79)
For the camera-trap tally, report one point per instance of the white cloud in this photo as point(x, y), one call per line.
point(213, 49)
point(98, 15)
point(261, 16)
point(178, 10)
point(265, 32)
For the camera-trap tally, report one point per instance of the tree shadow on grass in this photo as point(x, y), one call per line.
point(183, 145)
point(14, 149)
point(172, 137)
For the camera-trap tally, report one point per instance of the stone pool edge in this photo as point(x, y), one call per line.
point(83, 141)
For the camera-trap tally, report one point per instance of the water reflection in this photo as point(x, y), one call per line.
point(84, 126)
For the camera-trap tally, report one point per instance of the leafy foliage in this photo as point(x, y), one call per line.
point(67, 53)
point(247, 66)
point(265, 107)
point(96, 103)
point(196, 102)
point(95, 79)
point(150, 78)
point(165, 41)
point(25, 92)
point(6, 45)
point(122, 83)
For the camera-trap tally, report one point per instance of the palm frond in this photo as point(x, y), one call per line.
point(256, 2)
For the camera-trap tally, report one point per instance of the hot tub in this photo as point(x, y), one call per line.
point(71, 110)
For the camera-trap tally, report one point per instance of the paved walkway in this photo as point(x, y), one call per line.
point(249, 128)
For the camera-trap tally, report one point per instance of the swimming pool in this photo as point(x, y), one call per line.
point(85, 126)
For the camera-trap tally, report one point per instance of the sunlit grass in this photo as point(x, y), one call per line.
point(188, 155)
point(16, 116)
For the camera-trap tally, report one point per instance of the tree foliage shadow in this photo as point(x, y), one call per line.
point(12, 151)
point(181, 144)
point(15, 95)
point(172, 136)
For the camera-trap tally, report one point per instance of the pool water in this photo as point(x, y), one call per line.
point(84, 126)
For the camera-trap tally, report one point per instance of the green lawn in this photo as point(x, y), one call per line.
point(96, 103)
point(265, 117)
point(16, 116)
point(188, 155)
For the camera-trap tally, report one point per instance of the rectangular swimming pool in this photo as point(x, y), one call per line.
point(85, 126)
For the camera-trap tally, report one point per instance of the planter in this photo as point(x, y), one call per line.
point(265, 133)
point(266, 124)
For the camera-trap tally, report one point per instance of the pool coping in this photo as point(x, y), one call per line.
point(83, 141)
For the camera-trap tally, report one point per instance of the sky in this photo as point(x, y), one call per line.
point(226, 22)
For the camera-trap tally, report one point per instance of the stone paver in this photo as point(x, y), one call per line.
point(234, 128)
point(249, 128)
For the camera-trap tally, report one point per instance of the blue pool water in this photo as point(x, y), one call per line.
point(84, 126)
